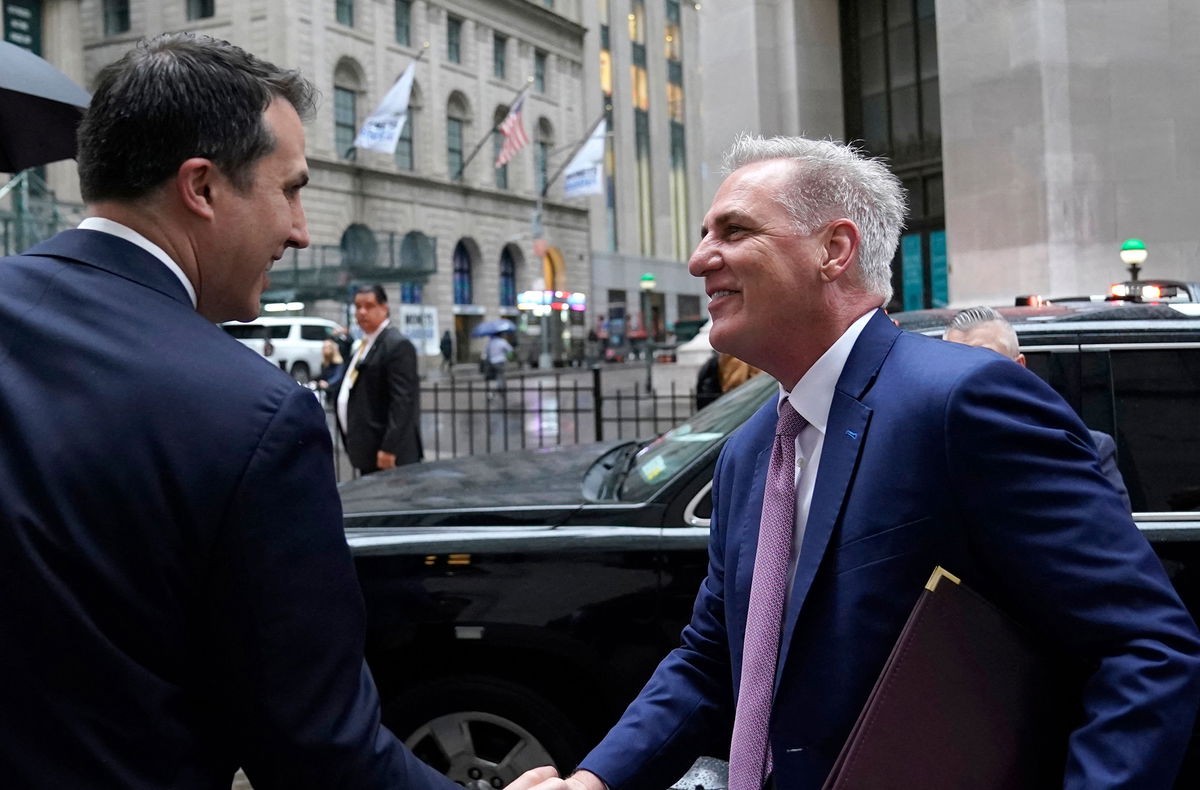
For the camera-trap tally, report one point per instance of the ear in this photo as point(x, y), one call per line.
point(1020, 359)
point(841, 246)
point(195, 183)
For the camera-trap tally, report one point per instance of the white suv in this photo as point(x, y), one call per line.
point(294, 341)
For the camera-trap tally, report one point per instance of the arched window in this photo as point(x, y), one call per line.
point(418, 260)
point(458, 116)
point(541, 153)
point(405, 147)
point(508, 277)
point(462, 274)
point(347, 83)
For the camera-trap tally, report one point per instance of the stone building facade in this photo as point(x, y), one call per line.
point(452, 245)
point(1034, 137)
point(644, 63)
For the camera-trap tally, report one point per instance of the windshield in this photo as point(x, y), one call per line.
point(660, 460)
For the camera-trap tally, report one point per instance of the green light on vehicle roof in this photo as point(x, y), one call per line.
point(1133, 254)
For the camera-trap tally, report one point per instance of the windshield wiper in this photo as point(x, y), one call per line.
point(618, 465)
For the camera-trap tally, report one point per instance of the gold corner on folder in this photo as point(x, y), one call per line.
point(940, 573)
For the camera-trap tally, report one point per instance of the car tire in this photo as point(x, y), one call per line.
point(301, 373)
point(481, 729)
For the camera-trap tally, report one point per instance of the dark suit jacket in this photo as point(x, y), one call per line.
point(384, 407)
point(935, 453)
point(178, 596)
point(1106, 451)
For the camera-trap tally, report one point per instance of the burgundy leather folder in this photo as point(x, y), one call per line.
point(967, 700)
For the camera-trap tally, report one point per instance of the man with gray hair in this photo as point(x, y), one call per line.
point(983, 327)
point(884, 454)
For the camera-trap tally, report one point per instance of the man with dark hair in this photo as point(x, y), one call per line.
point(179, 599)
point(885, 454)
point(983, 327)
point(378, 402)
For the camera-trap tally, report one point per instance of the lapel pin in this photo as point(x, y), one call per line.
point(852, 434)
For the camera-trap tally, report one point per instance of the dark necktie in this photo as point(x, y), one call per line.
point(750, 753)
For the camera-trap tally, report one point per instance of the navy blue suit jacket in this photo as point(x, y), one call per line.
point(178, 596)
point(935, 454)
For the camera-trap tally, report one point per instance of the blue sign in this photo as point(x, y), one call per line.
point(939, 269)
point(912, 271)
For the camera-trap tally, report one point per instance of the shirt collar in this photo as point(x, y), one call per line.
point(812, 396)
point(133, 237)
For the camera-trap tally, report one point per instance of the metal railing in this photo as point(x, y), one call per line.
point(468, 416)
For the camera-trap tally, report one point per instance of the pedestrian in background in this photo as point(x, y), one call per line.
point(378, 402)
point(332, 366)
point(719, 374)
point(496, 354)
point(179, 598)
point(985, 328)
point(884, 454)
point(447, 347)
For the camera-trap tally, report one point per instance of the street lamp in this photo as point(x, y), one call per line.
point(647, 285)
point(1133, 254)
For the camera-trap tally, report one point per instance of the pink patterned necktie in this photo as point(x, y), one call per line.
point(749, 754)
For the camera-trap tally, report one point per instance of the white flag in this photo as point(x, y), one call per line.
point(382, 128)
point(585, 174)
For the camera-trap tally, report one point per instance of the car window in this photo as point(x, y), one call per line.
point(280, 331)
point(659, 461)
point(315, 332)
point(244, 331)
point(1157, 400)
point(1147, 400)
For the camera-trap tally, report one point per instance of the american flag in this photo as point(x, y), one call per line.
point(513, 129)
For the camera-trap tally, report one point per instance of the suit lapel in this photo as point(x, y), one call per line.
point(380, 342)
point(846, 435)
point(748, 542)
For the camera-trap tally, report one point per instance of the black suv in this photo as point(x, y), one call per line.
point(518, 601)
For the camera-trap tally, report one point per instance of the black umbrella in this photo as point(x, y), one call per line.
point(39, 110)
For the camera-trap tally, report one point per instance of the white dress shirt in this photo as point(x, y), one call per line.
point(133, 237)
point(812, 398)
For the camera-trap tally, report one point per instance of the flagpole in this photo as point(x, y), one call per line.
point(416, 60)
point(574, 150)
point(474, 151)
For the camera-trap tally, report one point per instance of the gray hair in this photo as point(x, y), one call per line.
point(835, 181)
point(973, 317)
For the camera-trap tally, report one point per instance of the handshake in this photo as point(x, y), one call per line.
point(547, 778)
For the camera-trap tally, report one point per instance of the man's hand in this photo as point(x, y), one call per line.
point(385, 460)
point(546, 778)
point(546, 775)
